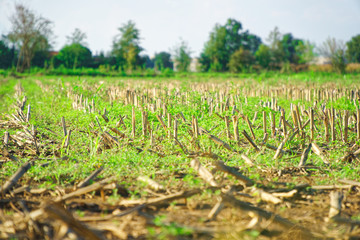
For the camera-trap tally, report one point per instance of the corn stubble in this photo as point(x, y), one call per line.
point(261, 180)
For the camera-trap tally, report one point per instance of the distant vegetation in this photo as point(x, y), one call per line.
point(230, 48)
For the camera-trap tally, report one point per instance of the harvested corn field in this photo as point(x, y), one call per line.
point(182, 159)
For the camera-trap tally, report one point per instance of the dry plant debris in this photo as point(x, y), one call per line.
point(227, 201)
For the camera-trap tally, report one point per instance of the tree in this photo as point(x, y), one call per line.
point(162, 60)
point(251, 42)
point(31, 33)
point(306, 53)
point(77, 37)
point(263, 56)
point(7, 54)
point(147, 62)
point(224, 40)
point(182, 56)
point(335, 51)
point(288, 46)
point(241, 60)
point(74, 55)
point(274, 40)
point(285, 48)
point(215, 56)
point(126, 47)
point(353, 49)
point(41, 58)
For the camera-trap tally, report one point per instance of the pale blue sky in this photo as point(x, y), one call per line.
point(163, 22)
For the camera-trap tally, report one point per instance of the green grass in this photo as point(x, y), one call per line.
point(49, 100)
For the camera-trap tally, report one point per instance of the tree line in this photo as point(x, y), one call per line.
point(228, 48)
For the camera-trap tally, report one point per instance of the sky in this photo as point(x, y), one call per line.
point(163, 23)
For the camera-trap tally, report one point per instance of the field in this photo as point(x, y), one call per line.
point(194, 157)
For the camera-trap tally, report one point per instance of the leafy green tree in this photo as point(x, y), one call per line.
point(77, 37)
point(7, 54)
point(41, 58)
point(31, 33)
point(289, 45)
point(353, 49)
point(305, 51)
point(277, 52)
point(251, 42)
point(285, 48)
point(162, 60)
point(75, 55)
point(126, 47)
point(241, 60)
point(263, 56)
point(274, 38)
point(182, 56)
point(224, 40)
point(215, 56)
point(147, 62)
point(335, 51)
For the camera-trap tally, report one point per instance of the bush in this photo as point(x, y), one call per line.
point(353, 68)
point(241, 61)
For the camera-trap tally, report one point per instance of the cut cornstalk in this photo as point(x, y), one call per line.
point(301, 127)
point(220, 165)
point(332, 123)
point(144, 123)
point(181, 146)
point(84, 190)
point(175, 128)
point(67, 140)
point(265, 196)
point(182, 116)
point(236, 128)
point(133, 122)
point(264, 122)
point(203, 172)
point(98, 122)
point(335, 204)
point(283, 222)
point(195, 127)
point(250, 127)
point(246, 135)
point(293, 135)
point(64, 126)
point(161, 122)
point(221, 142)
point(318, 151)
point(278, 153)
point(273, 124)
point(227, 127)
point(294, 118)
point(345, 122)
point(304, 156)
point(6, 138)
point(283, 122)
point(312, 136)
point(104, 116)
point(28, 115)
point(222, 118)
point(255, 116)
point(247, 160)
point(121, 122)
point(326, 124)
point(87, 180)
point(216, 209)
point(15, 177)
point(152, 184)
